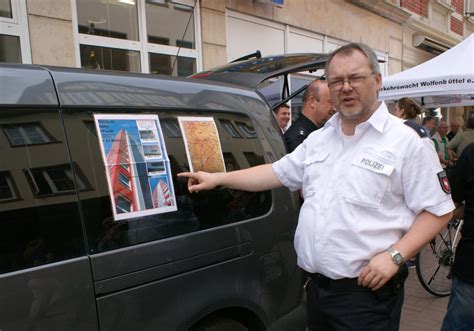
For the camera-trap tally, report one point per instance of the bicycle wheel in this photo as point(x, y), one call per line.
point(434, 261)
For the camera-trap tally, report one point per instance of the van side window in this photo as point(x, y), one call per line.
point(240, 150)
point(39, 214)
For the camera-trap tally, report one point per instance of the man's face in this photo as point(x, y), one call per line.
point(431, 124)
point(283, 117)
point(455, 127)
point(353, 103)
point(443, 129)
point(324, 108)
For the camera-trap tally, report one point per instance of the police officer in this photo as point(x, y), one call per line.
point(366, 209)
point(317, 109)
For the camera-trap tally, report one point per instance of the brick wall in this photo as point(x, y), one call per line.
point(458, 5)
point(456, 26)
point(419, 7)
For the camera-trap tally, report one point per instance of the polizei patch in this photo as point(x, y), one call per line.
point(443, 181)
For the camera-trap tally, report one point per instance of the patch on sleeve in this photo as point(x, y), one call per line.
point(443, 181)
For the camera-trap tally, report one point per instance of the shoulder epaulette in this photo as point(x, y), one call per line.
point(418, 129)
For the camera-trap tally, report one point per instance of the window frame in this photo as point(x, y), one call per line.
point(142, 45)
point(17, 26)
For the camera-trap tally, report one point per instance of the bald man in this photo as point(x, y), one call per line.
point(317, 109)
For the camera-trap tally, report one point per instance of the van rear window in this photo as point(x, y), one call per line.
point(195, 212)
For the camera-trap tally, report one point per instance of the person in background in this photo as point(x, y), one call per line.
point(441, 144)
point(408, 110)
point(317, 109)
point(282, 115)
point(460, 313)
point(366, 209)
point(462, 139)
point(429, 123)
point(455, 129)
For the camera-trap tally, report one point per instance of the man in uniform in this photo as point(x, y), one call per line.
point(282, 115)
point(317, 109)
point(366, 209)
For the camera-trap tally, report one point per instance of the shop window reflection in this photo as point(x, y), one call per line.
point(172, 22)
point(95, 57)
point(6, 9)
point(10, 50)
point(107, 18)
point(171, 65)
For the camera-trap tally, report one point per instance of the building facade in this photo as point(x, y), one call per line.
point(180, 37)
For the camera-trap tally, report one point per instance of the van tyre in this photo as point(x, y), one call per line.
point(219, 324)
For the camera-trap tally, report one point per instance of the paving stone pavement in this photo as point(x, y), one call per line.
point(421, 310)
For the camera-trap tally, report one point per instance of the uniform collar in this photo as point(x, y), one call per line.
point(308, 121)
point(377, 120)
point(379, 117)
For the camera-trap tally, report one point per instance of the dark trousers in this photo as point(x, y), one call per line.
point(343, 305)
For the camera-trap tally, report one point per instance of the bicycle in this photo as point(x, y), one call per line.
point(435, 260)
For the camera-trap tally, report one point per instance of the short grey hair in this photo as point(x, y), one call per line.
point(351, 48)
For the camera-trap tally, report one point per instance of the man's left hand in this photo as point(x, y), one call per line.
point(379, 271)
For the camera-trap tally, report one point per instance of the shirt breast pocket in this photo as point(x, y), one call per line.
point(369, 178)
point(314, 166)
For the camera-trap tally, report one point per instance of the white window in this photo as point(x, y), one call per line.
point(14, 39)
point(149, 36)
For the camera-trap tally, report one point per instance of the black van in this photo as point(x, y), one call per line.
point(97, 231)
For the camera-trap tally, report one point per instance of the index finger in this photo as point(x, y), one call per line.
point(185, 174)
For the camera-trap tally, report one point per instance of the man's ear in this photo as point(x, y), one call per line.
point(378, 80)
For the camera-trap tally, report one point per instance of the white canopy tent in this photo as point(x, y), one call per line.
point(444, 81)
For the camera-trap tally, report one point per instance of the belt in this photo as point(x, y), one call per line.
point(334, 284)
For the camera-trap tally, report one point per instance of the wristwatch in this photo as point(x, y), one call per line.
point(397, 257)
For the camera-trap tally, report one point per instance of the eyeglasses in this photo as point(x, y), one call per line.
point(336, 85)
